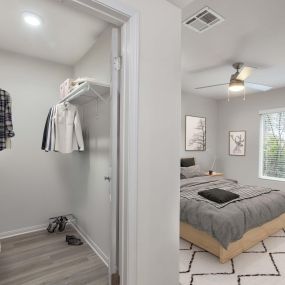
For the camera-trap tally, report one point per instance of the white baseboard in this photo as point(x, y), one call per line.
point(91, 243)
point(22, 231)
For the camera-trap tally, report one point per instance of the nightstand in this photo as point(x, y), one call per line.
point(215, 174)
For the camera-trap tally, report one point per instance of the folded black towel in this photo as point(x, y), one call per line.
point(219, 196)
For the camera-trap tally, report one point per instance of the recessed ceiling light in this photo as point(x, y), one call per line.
point(32, 19)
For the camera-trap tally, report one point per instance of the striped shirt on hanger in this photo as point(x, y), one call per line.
point(6, 126)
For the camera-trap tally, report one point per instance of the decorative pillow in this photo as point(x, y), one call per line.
point(219, 196)
point(191, 171)
point(186, 162)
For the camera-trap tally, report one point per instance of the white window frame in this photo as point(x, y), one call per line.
point(261, 144)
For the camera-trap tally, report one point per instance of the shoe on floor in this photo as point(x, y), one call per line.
point(75, 241)
point(62, 223)
point(68, 237)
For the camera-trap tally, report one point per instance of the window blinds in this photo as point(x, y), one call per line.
point(273, 145)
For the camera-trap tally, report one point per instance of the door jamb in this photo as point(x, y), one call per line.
point(120, 14)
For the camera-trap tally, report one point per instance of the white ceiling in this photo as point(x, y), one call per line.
point(65, 36)
point(180, 3)
point(253, 32)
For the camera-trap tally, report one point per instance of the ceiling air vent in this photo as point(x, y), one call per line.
point(203, 20)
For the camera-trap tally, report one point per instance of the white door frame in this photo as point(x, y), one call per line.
point(114, 159)
point(128, 18)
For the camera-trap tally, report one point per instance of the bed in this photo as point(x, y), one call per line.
point(228, 229)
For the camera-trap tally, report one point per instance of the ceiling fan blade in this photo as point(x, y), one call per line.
point(245, 73)
point(212, 86)
point(257, 86)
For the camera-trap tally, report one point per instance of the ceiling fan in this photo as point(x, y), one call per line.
point(237, 81)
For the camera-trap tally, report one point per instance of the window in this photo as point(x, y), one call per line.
point(272, 145)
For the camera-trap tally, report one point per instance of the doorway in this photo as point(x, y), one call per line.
point(127, 22)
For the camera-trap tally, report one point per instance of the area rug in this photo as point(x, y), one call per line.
point(263, 264)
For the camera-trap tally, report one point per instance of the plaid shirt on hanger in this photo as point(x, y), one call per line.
point(6, 126)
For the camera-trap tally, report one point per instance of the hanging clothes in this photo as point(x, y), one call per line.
point(45, 134)
point(67, 128)
point(62, 130)
point(49, 131)
point(6, 125)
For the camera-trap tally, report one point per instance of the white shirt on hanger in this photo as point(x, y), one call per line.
point(68, 132)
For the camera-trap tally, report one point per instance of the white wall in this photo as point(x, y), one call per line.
point(202, 107)
point(34, 184)
point(243, 115)
point(159, 134)
point(90, 195)
point(96, 62)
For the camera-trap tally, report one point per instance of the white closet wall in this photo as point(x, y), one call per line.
point(96, 62)
point(34, 185)
point(91, 204)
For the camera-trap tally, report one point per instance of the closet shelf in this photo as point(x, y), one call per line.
point(87, 92)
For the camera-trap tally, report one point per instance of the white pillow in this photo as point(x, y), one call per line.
point(191, 171)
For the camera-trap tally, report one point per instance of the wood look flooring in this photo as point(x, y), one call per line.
point(41, 258)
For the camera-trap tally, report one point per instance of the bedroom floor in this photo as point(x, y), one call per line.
point(42, 258)
point(261, 265)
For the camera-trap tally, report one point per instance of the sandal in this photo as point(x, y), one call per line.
point(62, 223)
point(49, 227)
point(53, 225)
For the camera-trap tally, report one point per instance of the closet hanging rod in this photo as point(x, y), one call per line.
point(90, 90)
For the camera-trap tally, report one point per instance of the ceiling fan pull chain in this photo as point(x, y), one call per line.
point(244, 94)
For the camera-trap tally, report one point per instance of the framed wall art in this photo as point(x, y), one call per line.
point(195, 133)
point(237, 143)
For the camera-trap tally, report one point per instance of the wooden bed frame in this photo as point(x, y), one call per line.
point(249, 239)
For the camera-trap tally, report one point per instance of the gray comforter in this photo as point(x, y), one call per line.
point(229, 223)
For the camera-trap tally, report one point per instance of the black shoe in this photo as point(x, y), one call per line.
point(62, 223)
point(67, 238)
point(75, 241)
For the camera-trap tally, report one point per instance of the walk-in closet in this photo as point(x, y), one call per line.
point(59, 134)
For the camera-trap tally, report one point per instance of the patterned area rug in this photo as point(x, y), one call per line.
point(263, 264)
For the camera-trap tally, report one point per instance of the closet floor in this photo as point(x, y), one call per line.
point(43, 258)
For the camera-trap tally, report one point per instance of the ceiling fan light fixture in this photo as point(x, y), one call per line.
point(236, 86)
